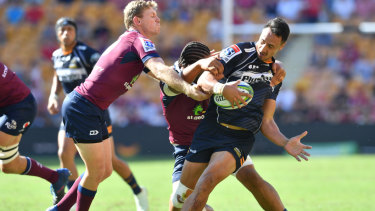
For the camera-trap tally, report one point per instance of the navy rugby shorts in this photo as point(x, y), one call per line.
point(216, 138)
point(107, 121)
point(83, 121)
point(179, 154)
point(16, 119)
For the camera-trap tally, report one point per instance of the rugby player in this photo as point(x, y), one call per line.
point(114, 74)
point(73, 62)
point(183, 115)
point(225, 137)
point(17, 112)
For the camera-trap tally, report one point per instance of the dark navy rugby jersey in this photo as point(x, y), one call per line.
point(72, 69)
point(241, 63)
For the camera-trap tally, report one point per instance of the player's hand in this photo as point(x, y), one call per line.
point(296, 149)
point(279, 73)
point(234, 95)
point(213, 65)
point(197, 93)
point(53, 106)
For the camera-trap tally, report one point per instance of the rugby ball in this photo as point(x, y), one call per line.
point(222, 102)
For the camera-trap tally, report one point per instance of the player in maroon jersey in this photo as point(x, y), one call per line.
point(17, 112)
point(113, 75)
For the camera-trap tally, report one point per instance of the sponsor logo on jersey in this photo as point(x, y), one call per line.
point(248, 50)
point(98, 68)
point(229, 53)
point(73, 63)
point(94, 132)
point(128, 86)
point(147, 44)
point(5, 71)
point(254, 77)
point(12, 125)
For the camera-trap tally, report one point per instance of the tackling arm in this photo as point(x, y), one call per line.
point(270, 130)
point(170, 77)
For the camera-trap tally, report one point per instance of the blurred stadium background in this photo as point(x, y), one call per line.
point(329, 89)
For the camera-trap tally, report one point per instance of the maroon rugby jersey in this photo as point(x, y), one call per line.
point(117, 69)
point(183, 116)
point(12, 89)
point(182, 113)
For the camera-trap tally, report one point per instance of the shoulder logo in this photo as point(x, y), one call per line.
point(5, 71)
point(147, 44)
point(229, 53)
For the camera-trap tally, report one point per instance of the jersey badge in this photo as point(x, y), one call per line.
point(147, 44)
point(229, 53)
point(11, 125)
point(5, 71)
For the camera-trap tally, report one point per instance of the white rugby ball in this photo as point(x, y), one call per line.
point(222, 102)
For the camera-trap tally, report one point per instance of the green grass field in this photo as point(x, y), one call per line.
point(324, 183)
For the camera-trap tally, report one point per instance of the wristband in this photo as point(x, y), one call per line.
point(218, 88)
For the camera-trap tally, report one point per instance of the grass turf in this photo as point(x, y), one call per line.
point(323, 183)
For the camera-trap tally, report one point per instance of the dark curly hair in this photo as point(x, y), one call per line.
point(192, 52)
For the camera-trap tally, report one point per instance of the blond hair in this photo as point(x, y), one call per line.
point(135, 8)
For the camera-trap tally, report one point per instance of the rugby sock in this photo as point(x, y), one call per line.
point(70, 198)
point(84, 198)
point(33, 168)
point(133, 184)
point(70, 184)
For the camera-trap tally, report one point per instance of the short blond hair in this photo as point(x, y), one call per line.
point(135, 8)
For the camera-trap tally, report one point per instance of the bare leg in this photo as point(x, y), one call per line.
point(221, 165)
point(98, 160)
point(264, 193)
point(66, 153)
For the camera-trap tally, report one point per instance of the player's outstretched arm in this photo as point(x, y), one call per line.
point(170, 77)
point(209, 84)
point(270, 130)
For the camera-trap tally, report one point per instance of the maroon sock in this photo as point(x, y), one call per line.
point(34, 168)
point(84, 198)
point(70, 198)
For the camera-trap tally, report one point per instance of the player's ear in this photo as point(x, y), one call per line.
point(136, 20)
point(282, 46)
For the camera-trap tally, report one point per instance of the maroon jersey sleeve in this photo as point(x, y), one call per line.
point(13, 90)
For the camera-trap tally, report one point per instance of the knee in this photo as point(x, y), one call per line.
point(64, 154)
point(108, 172)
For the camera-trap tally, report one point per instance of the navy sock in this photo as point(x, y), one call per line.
point(133, 184)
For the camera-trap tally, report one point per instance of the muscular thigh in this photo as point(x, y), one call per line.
point(191, 173)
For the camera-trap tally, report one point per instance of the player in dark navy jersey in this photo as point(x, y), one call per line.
point(73, 62)
point(17, 112)
point(225, 137)
point(113, 75)
point(183, 116)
